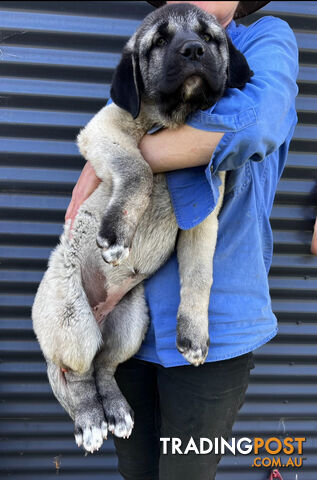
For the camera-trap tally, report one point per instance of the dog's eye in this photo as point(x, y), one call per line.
point(206, 37)
point(160, 42)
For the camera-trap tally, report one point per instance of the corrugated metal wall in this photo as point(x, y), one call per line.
point(56, 62)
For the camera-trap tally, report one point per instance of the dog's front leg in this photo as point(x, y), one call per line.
point(109, 142)
point(195, 250)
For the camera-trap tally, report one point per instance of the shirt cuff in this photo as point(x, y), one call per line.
point(193, 195)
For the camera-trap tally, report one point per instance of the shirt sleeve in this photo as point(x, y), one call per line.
point(256, 120)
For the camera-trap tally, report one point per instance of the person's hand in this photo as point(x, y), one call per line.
point(313, 247)
point(85, 186)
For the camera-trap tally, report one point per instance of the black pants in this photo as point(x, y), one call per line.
point(178, 402)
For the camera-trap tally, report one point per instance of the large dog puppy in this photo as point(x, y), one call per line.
point(89, 313)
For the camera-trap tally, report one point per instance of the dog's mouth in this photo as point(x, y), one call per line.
point(191, 86)
point(192, 92)
point(197, 90)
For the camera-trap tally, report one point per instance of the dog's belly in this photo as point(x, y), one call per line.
point(105, 290)
point(113, 297)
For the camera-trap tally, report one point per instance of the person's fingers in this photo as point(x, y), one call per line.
point(85, 186)
point(313, 247)
point(70, 208)
point(69, 211)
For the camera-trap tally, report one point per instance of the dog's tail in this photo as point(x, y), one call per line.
point(59, 386)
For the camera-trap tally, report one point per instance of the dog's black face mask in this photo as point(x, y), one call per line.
point(182, 60)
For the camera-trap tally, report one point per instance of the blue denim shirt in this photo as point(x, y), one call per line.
point(258, 122)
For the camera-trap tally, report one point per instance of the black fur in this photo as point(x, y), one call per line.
point(239, 72)
point(127, 85)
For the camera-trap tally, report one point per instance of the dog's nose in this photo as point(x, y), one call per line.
point(192, 50)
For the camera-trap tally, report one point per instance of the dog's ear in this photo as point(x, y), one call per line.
point(239, 72)
point(127, 84)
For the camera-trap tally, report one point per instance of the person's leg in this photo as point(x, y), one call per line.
point(138, 456)
point(199, 402)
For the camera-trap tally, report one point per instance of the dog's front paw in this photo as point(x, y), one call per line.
point(113, 254)
point(194, 352)
point(119, 416)
point(90, 429)
point(192, 341)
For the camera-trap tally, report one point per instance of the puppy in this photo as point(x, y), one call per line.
point(89, 313)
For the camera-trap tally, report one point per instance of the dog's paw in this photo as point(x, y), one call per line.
point(192, 338)
point(112, 254)
point(119, 417)
point(90, 430)
point(193, 350)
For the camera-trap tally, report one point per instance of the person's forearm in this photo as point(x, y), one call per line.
point(182, 148)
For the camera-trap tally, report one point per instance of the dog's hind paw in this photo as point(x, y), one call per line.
point(91, 438)
point(90, 433)
point(121, 426)
point(119, 417)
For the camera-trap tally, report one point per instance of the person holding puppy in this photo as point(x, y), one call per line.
point(247, 133)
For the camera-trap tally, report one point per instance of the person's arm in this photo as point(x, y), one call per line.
point(166, 150)
point(184, 147)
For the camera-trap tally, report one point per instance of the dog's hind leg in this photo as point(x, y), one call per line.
point(78, 396)
point(123, 332)
point(90, 423)
point(195, 250)
point(63, 321)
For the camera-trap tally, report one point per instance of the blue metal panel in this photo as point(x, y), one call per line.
point(56, 63)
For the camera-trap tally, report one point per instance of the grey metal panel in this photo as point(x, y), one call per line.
point(56, 63)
